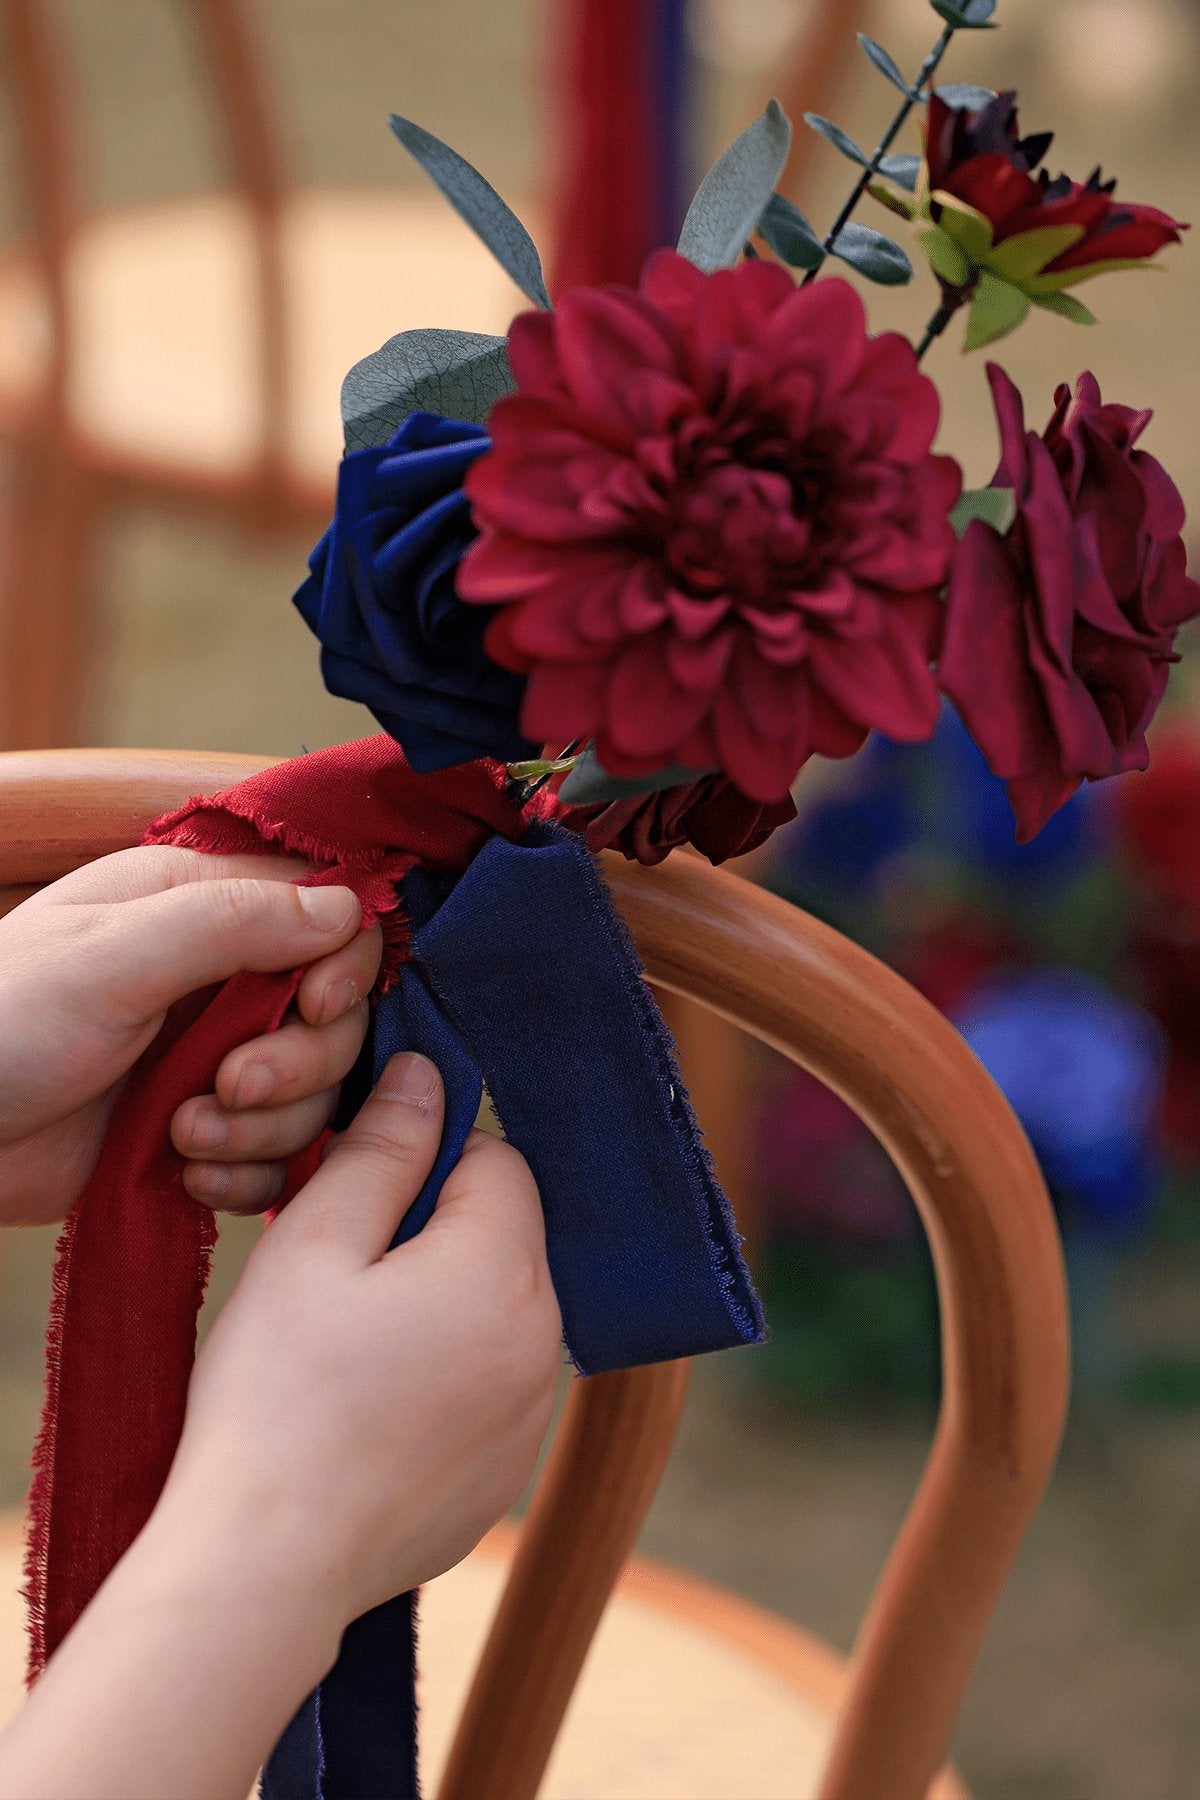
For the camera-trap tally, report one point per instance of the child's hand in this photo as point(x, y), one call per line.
point(88, 969)
point(358, 1417)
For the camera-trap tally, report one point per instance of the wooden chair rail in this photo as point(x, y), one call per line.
point(863, 1031)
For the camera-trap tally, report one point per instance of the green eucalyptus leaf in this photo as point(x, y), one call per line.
point(964, 96)
point(996, 506)
point(996, 309)
point(873, 255)
point(1066, 306)
point(840, 139)
point(966, 15)
point(790, 235)
point(901, 168)
point(590, 784)
point(734, 194)
point(947, 259)
point(477, 201)
point(878, 55)
point(1018, 259)
point(459, 374)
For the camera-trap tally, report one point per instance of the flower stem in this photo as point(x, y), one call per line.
point(941, 318)
point(530, 788)
point(884, 145)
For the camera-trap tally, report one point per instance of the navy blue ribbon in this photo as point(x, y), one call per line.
point(524, 977)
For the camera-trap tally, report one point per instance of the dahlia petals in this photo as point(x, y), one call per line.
point(647, 712)
point(699, 666)
point(763, 768)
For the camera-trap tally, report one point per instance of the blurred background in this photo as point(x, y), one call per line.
point(195, 485)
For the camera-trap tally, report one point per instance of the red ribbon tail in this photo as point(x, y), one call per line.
point(129, 1279)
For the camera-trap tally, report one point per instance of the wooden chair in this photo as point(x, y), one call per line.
point(189, 352)
point(819, 999)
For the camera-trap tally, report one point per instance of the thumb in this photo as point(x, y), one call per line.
point(154, 950)
point(373, 1171)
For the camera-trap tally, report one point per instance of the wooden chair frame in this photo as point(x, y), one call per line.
point(858, 1027)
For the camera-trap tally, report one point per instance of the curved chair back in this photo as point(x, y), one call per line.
point(859, 1028)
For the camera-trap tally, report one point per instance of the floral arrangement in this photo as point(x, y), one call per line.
point(666, 543)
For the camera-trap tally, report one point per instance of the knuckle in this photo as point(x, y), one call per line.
point(235, 904)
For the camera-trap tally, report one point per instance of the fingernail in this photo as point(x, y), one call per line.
point(255, 1084)
point(209, 1131)
point(328, 908)
point(410, 1077)
point(338, 999)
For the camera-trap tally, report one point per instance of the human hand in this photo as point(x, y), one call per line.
point(358, 1416)
point(88, 969)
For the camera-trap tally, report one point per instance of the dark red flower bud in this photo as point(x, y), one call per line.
point(981, 159)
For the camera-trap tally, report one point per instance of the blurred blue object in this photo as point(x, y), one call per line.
point(938, 800)
point(975, 821)
point(843, 841)
point(1083, 1070)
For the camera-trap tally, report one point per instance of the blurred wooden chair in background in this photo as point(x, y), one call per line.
point(693, 1694)
point(193, 351)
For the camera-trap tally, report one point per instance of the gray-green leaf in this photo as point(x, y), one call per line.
point(477, 201)
point(459, 374)
point(590, 784)
point(873, 255)
point(966, 15)
point(731, 199)
point(841, 140)
point(790, 235)
point(878, 55)
point(964, 96)
point(902, 168)
point(996, 506)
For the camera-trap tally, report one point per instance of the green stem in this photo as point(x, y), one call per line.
point(530, 788)
point(941, 318)
point(885, 143)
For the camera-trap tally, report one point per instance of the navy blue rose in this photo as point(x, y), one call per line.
point(381, 597)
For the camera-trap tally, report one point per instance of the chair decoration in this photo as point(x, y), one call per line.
point(609, 584)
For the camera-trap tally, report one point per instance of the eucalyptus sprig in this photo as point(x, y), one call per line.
point(959, 15)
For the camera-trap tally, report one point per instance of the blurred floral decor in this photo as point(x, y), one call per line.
point(1071, 965)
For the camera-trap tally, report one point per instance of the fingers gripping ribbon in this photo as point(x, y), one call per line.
point(506, 964)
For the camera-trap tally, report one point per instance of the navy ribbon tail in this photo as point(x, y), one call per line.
point(524, 978)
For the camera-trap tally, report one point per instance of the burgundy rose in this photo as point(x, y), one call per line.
point(713, 525)
point(710, 813)
point(981, 159)
point(1060, 634)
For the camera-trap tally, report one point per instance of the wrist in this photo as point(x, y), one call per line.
point(197, 1554)
point(180, 1675)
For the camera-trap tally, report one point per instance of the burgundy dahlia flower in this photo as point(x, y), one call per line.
point(713, 526)
point(981, 159)
point(710, 813)
point(1060, 634)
